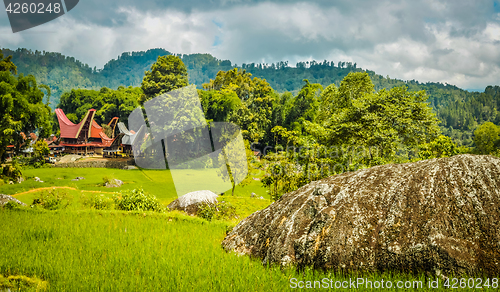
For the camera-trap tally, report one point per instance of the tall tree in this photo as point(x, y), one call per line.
point(304, 107)
point(384, 119)
point(255, 112)
point(167, 73)
point(487, 138)
point(6, 64)
point(21, 107)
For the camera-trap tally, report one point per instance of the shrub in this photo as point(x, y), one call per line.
point(52, 199)
point(206, 211)
point(99, 202)
point(10, 205)
point(12, 171)
point(218, 211)
point(137, 200)
point(106, 180)
point(23, 283)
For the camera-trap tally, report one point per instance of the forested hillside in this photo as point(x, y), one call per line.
point(459, 111)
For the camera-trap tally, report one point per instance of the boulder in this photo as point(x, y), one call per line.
point(4, 199)
point(439, 216)
point(129, 167)
point(78, 178)
point(190, 202)
point(114, 183)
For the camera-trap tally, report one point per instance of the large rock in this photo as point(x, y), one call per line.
point(439, 216)
point(114, 183)
point(190, 202)
point(4, 199)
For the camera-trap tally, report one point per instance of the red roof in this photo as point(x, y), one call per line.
point(68, 129)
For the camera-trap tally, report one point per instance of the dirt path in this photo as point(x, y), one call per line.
point(70, 188)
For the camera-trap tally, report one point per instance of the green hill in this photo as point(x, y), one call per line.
point(460, 111)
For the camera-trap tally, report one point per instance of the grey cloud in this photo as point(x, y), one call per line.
point(430, 39)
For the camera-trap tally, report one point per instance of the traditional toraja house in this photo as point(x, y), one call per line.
point(86, 137)
point(25, 150)
point(128, 137)
point(54, 146)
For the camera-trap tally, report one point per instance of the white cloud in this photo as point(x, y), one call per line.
point(447, 41)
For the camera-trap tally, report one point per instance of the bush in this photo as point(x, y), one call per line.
point(52, 199)
point(206, 211)
point(99, 202)
point(221, 210)
point(106, 180)
point(22, 283)
point(10, 205)
point(137, 200)
point(12, 171)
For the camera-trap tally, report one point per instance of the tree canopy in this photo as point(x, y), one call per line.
point(167, 73)
point(21, 107)
point(487, 138)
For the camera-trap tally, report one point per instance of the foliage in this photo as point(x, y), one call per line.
point(41, 149)
point(107, 130)
point(21, 108)
point(98, 202)
point(253, 114)
point(303, 107)
point(487, 138)
point(442, 146)
point(12, 171)
point(106, 180)
point(219, 211)
point(6, 64)
point(22, 283)
point(344, 129)
point(108, 103)
point(137, 200)
point(283, 175)
point(242, 166)
point(11, 205)
point(52, 199)
point(219, 105)
point(166, 74)
point(384, 119)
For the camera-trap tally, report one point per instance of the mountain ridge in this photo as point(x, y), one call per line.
point(459, 110)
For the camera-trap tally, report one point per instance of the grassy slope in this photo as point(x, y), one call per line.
point(157, 182)
point(87, 251)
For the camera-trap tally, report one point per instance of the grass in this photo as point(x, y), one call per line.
point(78, 249)
point(156, 182)
point(126, 252)
point(118, 251)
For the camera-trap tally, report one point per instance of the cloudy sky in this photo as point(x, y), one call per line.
point(457, 42)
